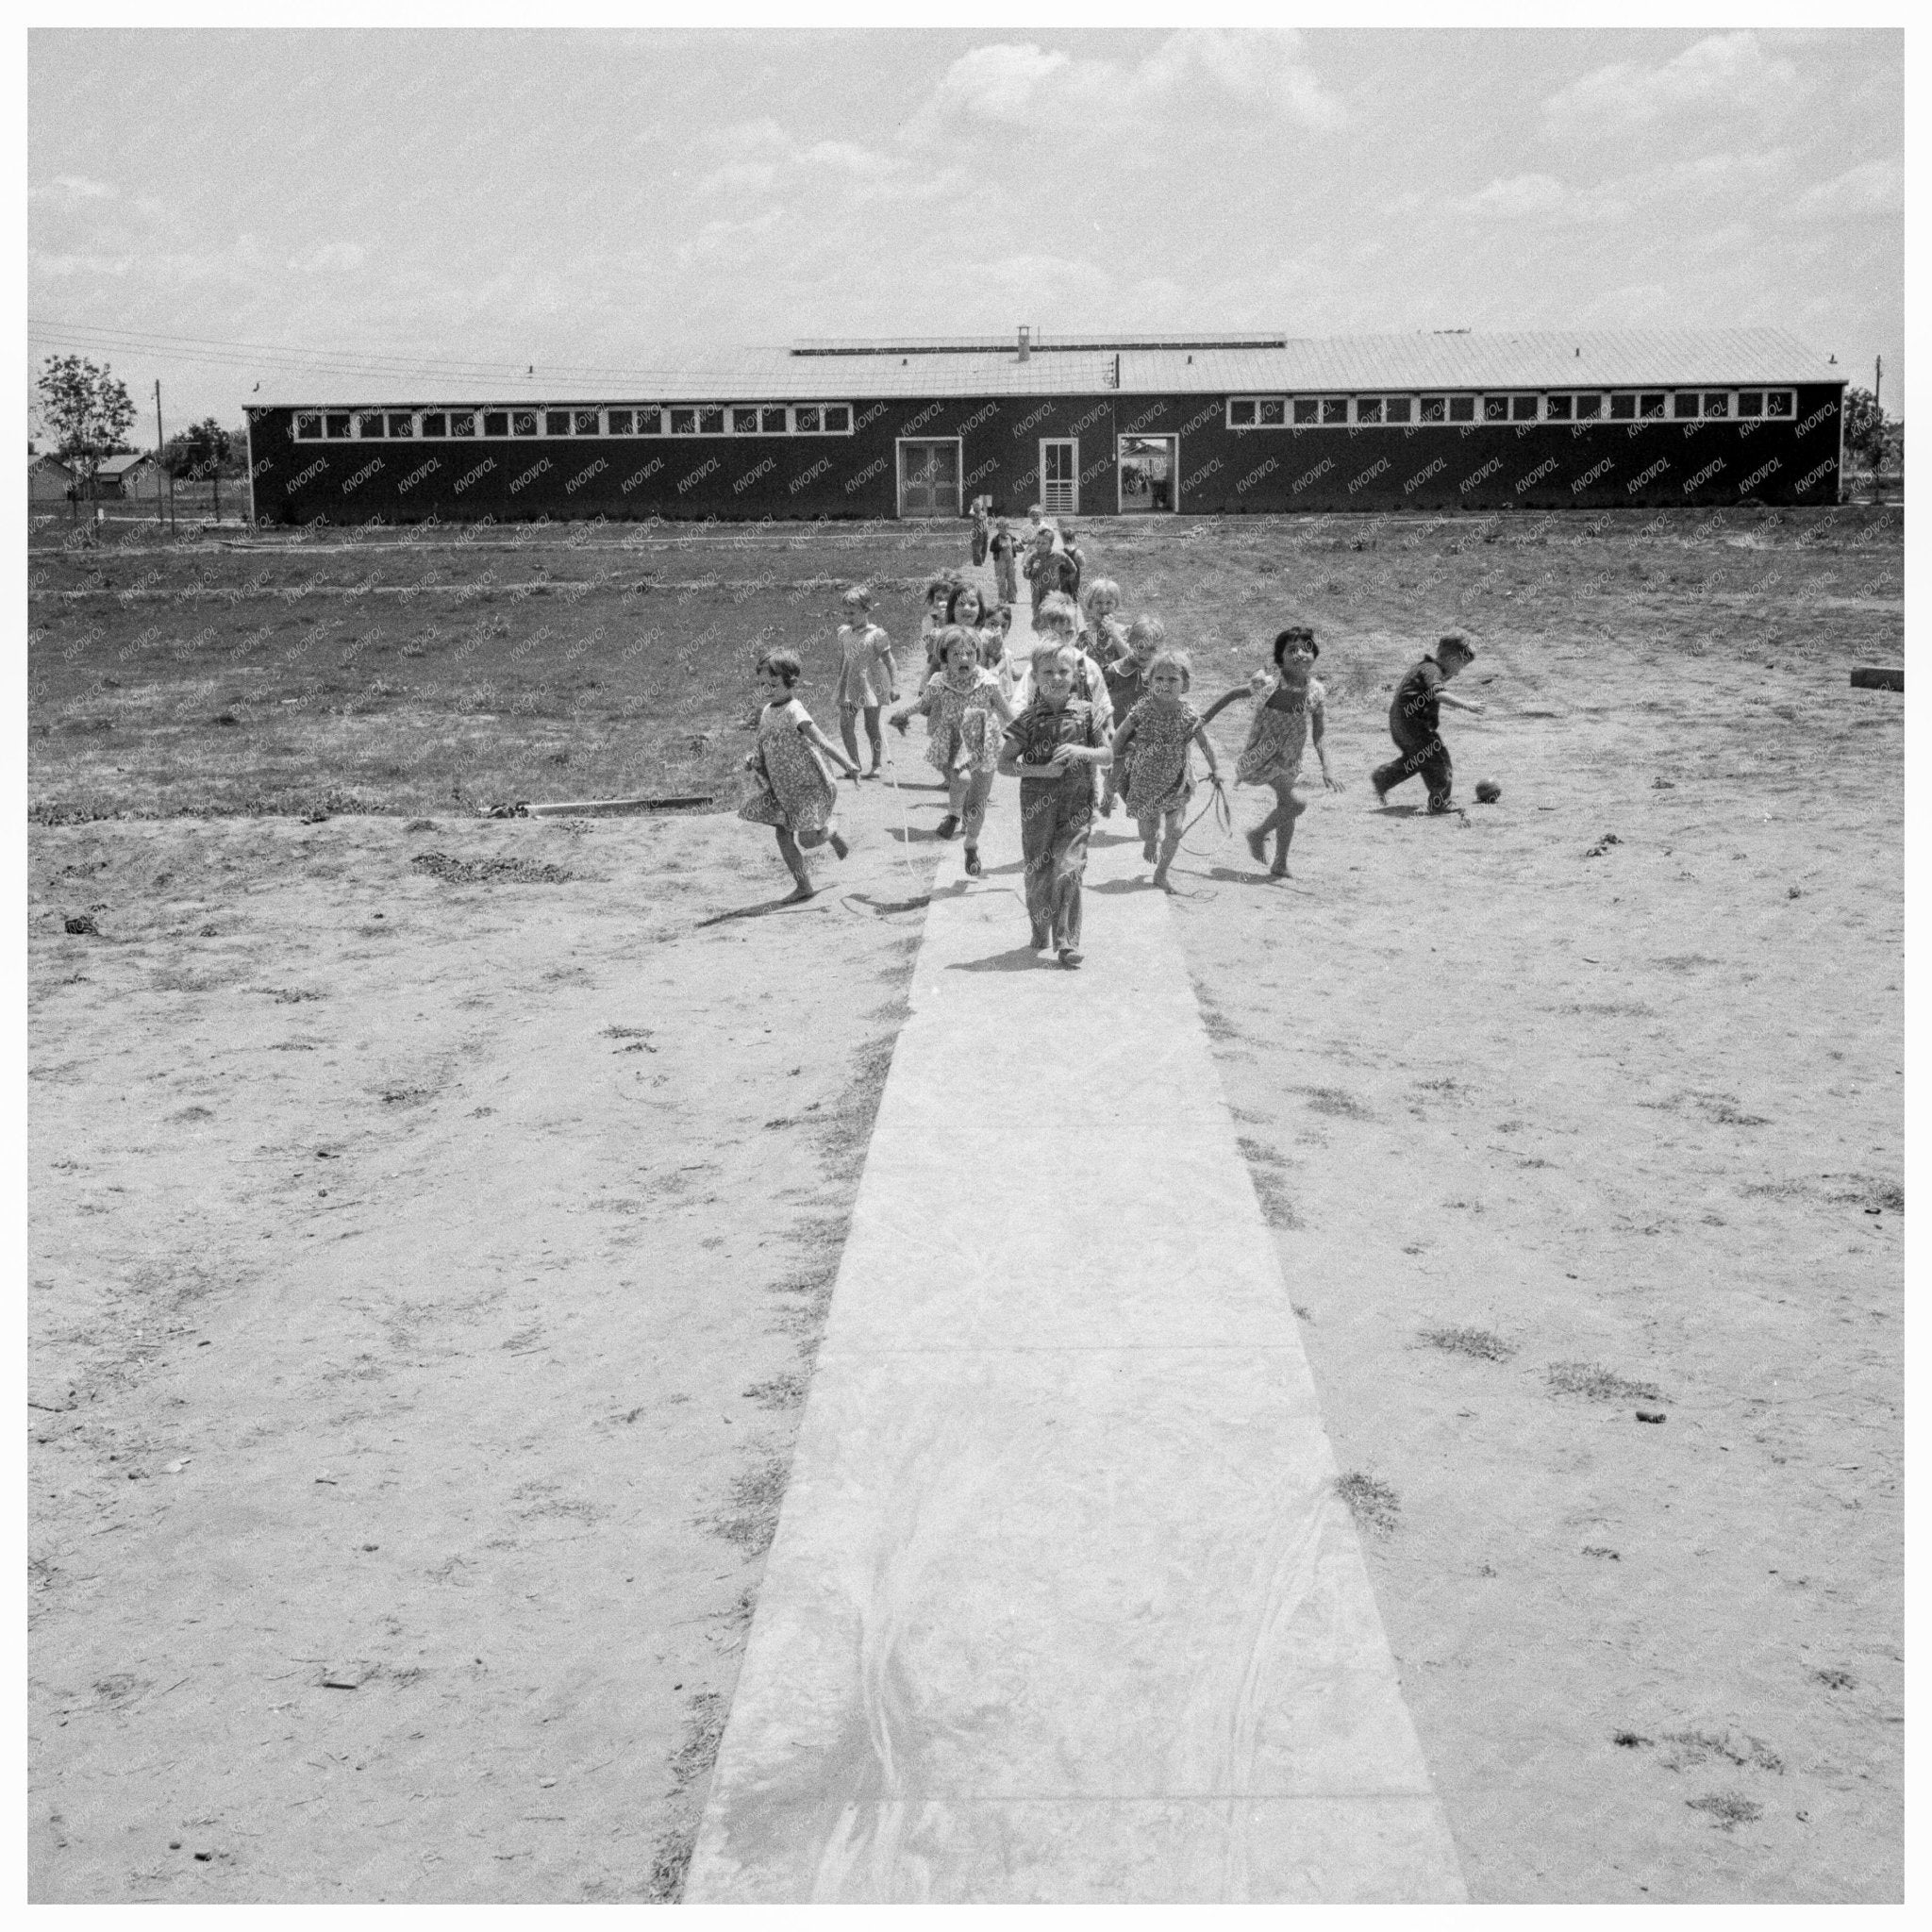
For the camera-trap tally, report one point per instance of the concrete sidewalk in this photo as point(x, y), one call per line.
point(1064, 1606)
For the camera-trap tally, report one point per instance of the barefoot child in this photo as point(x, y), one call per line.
point(1126, 685)
point(868, 675)
point(794, 796)
point(1052, 748)
point(1414, 724)
point(961, 704)
point(1161, 728)
point(1293, 712)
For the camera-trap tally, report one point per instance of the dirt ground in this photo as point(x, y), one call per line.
point(424, 1281)
point(1552, 1139)
point(1555, 1126)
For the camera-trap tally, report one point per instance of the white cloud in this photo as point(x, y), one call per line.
point(1873, 187)
point(1722, 70)
point(740, 177)
point(999, 82)
point(330, 258)
point(61, 266)
point(73, 188)
point(1019, 82)
point(1521, 194)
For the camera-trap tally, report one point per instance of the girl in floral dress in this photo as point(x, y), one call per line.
point(962, 702)
point(796, 795)
point(1161, 728)
point(1293, 712)
point(868, 677)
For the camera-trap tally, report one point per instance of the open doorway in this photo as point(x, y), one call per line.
point(1150, 475)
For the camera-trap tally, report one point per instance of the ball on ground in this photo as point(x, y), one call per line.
point(1489, 791)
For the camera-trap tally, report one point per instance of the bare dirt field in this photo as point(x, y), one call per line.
point(427, 1257)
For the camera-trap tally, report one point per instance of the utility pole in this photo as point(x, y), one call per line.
point(159, 466)
point(1877, 380)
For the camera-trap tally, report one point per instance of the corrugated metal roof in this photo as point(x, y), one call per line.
point(1596, 359)
point(117, 466)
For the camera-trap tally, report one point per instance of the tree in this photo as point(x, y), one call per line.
point(199, 451)
point(1865, 426)
point(85, 408)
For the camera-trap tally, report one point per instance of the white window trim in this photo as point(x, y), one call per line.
point(1072, 442)
point(603, 432)
point(1479, 397)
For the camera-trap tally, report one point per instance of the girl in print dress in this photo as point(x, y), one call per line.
point(1293, 711)
point(966, 713)
point(868, 677)
point(1162, 728)
point(796, 795)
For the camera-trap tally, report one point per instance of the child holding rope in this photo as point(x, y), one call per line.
point(868, 677)
point(1293, 712)
point(960, 703)
point(1052, 748)
point(796, 795)
point(1161, 728)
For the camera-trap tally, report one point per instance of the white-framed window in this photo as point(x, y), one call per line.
point(1573, 405)
point(1767, 402)
point(307, 425)
point(402, 423)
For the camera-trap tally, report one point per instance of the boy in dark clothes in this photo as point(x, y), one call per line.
point(1413, 724)
point(1005, 577)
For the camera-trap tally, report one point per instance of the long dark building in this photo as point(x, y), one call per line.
point(1095, 426)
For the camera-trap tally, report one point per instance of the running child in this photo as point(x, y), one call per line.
point(1006, 578)
point(1126, 685)
point(1048, 570)
point(962, 702)
point(868, 675)
point(939, 593)
point(1059, 621)
point(1102, 636)
point(1414, 723)
point(796, 795)
point(1161, 729)
point(1293, 713)
point(994, 657)
point(1053, 747)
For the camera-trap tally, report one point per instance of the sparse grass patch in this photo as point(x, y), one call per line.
point(1372, 1504)
point(1599, 1384)
point(1475, 1342)
point(489, 871)
point(1332, 1100)
point(754, 1515)
point(1727, 1810)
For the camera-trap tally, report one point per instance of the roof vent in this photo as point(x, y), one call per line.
point(1025, 344)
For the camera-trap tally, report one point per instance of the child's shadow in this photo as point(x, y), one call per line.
point(1021, 959)
point(788, 903)
point(1228, 876)
point(1112, 886)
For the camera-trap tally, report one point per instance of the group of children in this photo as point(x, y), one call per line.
point(1099, 715)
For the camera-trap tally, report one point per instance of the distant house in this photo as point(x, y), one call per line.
point(130, 476)
point(48, 479)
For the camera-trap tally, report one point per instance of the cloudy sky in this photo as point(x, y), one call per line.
point(301, 210)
